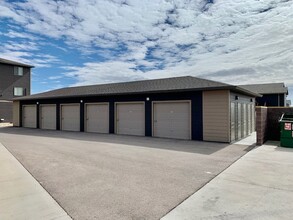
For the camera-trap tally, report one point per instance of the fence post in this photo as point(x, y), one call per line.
point(261, 124)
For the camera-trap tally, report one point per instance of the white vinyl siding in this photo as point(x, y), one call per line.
point(216, 116)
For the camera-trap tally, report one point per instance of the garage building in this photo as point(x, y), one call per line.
point(181, 107)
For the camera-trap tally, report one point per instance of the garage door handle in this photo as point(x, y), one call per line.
point(62, 118)
point(87, 119)
point(155, 121)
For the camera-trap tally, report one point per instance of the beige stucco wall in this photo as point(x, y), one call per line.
point(216, 115)
point(16, 121)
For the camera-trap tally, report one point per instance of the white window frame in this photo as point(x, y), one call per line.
point(18, 71)
point(16, 91)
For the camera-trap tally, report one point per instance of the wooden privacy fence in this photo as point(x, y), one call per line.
point(267, 122)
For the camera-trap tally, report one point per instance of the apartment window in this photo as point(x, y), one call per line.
point(18, 71)
point(18, 91)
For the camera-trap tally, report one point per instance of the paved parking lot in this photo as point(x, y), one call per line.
point(94, 176)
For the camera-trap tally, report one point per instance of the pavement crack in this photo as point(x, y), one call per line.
point(254, 184)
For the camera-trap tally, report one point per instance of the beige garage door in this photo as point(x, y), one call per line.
point(70, 117)
point(48, 117)
point(97, 118)
point(29, 113)
point(130, 118)
point(172, 120)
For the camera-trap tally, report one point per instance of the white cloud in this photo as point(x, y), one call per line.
point(7, 11)
point(234, 41)
point(15, 34)
point(26, 46)
point(55, 77)
point(93, 73)
point(26, 54)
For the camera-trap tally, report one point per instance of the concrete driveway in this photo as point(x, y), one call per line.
point(94, 176)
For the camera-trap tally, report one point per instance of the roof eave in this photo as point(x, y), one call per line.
point(270, 93)
point(14, 63)
point(18, 64)
point(245, 91)
point(23, 65)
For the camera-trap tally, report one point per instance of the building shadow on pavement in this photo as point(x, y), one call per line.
point(190, 146)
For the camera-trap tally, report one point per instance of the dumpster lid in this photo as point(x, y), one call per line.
point(286, 118)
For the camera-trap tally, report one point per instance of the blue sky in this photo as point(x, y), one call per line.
point(80, 42)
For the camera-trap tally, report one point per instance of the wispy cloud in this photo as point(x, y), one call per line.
point(26, 46)
point(55, 77)
point(106, 72)
point(233, 41)
point(15, 34)
point(24, 54)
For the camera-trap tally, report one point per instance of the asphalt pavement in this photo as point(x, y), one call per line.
point(21, 196)
point(95, 176)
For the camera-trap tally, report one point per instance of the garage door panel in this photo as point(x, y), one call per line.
point(48, 117)
point(239, 119)
point(130, 119)
point(233, 121)
point(249, 119)
point(245, 120)
point(70, 117)
point(29, 116)
point(97, 118)
point(172, 120)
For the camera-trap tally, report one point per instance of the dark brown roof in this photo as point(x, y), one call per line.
point(185, 83)
point(270, 88)
point(14, 63)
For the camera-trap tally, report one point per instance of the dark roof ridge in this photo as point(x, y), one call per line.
point(255, 84)
point(145, 80)
point(173, 84)
point(116, 83)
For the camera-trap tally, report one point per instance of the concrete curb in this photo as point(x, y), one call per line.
point(21, 196)
point(257, 186)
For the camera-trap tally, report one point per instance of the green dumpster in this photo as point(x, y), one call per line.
point(286, 126)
